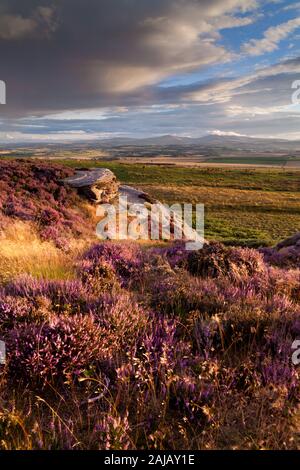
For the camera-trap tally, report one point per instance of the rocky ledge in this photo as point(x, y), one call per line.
point(97, 184)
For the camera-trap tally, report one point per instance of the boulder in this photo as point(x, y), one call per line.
point(97, 184)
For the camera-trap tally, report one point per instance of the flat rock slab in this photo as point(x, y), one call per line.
point(135, 196)
point(90, 177)
point(97, 184)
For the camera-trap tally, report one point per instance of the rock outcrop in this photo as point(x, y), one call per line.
point(101, 186)
point(290, 246)
point(162, 216)
point(97, 184)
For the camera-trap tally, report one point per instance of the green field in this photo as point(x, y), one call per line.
point(261, 179)
point(251, 207)
point(253, 160)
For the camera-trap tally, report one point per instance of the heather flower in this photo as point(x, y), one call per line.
point(98, 277)
point(216, 260)
point(120, 315)
point(35, 193)
point(65, 296)
point(175, 253)
point(112, 432)
point(150, 347)
point(124, 259)
point(15, 311)
point(61, 349)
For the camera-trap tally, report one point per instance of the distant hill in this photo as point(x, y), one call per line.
point(207, 141)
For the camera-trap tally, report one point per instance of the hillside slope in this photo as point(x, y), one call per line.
point(156, 348)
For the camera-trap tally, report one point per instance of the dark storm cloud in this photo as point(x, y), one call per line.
point(86, 53)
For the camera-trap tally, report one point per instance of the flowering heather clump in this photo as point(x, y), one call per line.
point(99, 276)
point(121, 315)
point(176, 254)
point(216, 260)
point(124, 258)
point(112, 432)
point(284, 282)
point(15, 311)
point(155, 348)
point(162, 379)
point(62, 348)
point(65, 296)
point(34, 192)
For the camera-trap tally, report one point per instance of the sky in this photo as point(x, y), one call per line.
point(83, 70)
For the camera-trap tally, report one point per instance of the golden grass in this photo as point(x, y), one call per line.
point(235, 215)
point(21, 251)
point(224, 197)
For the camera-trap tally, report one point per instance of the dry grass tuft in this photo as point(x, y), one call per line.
point(22, 251)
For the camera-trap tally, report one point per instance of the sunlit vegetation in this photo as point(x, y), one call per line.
point(128, 346)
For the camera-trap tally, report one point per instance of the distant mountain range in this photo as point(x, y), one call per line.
point(206, 141)
point(211, 141)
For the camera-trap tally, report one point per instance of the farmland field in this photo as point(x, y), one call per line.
point(256, 160)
